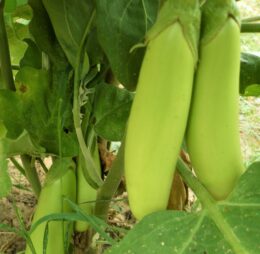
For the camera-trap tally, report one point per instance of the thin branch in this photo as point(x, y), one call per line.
point(250, 28)
point(17, 165)
point(94, 178)
point(45, 169)
point(31, 173)
point(251, 19)
point(108, 189)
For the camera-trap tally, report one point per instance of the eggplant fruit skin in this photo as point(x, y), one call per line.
point(157, 120)
point(51, 201)
point(213, 131)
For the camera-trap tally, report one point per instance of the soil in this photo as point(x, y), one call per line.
point(22, 199)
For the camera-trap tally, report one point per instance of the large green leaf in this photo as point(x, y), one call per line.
point(60, 115)
point(94, 50)
point(22, 145)
point(10, 5)
point(32, 86)
point(11, 113)
point(121, 24)
point(249, 74)
point(17, 48)
point(16, 45)
point(189, 233)
point(43, 33)
point(16, 22)
point(21, 2)
point(70, 19)
point(32, 56)
point(111, 110)
point(47, 109)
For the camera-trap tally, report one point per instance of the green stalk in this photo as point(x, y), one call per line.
point(45, 169)
point(211, 207)
point(18, 166)
point(251, 19)
point(31, 173)
point(92, 174)
point(108, 189)
point(250, 28)
point(5, 62)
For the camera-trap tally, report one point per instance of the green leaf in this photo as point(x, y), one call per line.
point(111, 110)
point(32, 56)
point(32, 86)
point(47, 109)
point(69, 25)
point(247, 192)
point(121, 24)
point(60, 119)
point(98, 224)
point(21, 2)
point(94, 50)
point(43, 33)
point(249, 73)
point(23, 11)
point(17, 30)
point(23, 145)
point(252, 90)
point(10, 5)
point(187, 233)
point(11, 113)
point(16, 45)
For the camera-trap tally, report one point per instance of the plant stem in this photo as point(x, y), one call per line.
point(108, 189)
point(31, 173)
point(210, 205)
point(45, 169)
point(93, 177)
point(252, 19)
point(5, 62)
point(17, 165)
point(250, 28)
point(15, 67)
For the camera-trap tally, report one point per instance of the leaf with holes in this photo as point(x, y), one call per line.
point(190, 233)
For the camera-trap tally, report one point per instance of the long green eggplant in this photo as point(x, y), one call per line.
point(51, 201)
point(213, 129)
point(160, 109)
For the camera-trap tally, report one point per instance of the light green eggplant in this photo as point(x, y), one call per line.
point(160, 109)
point(213, 130)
